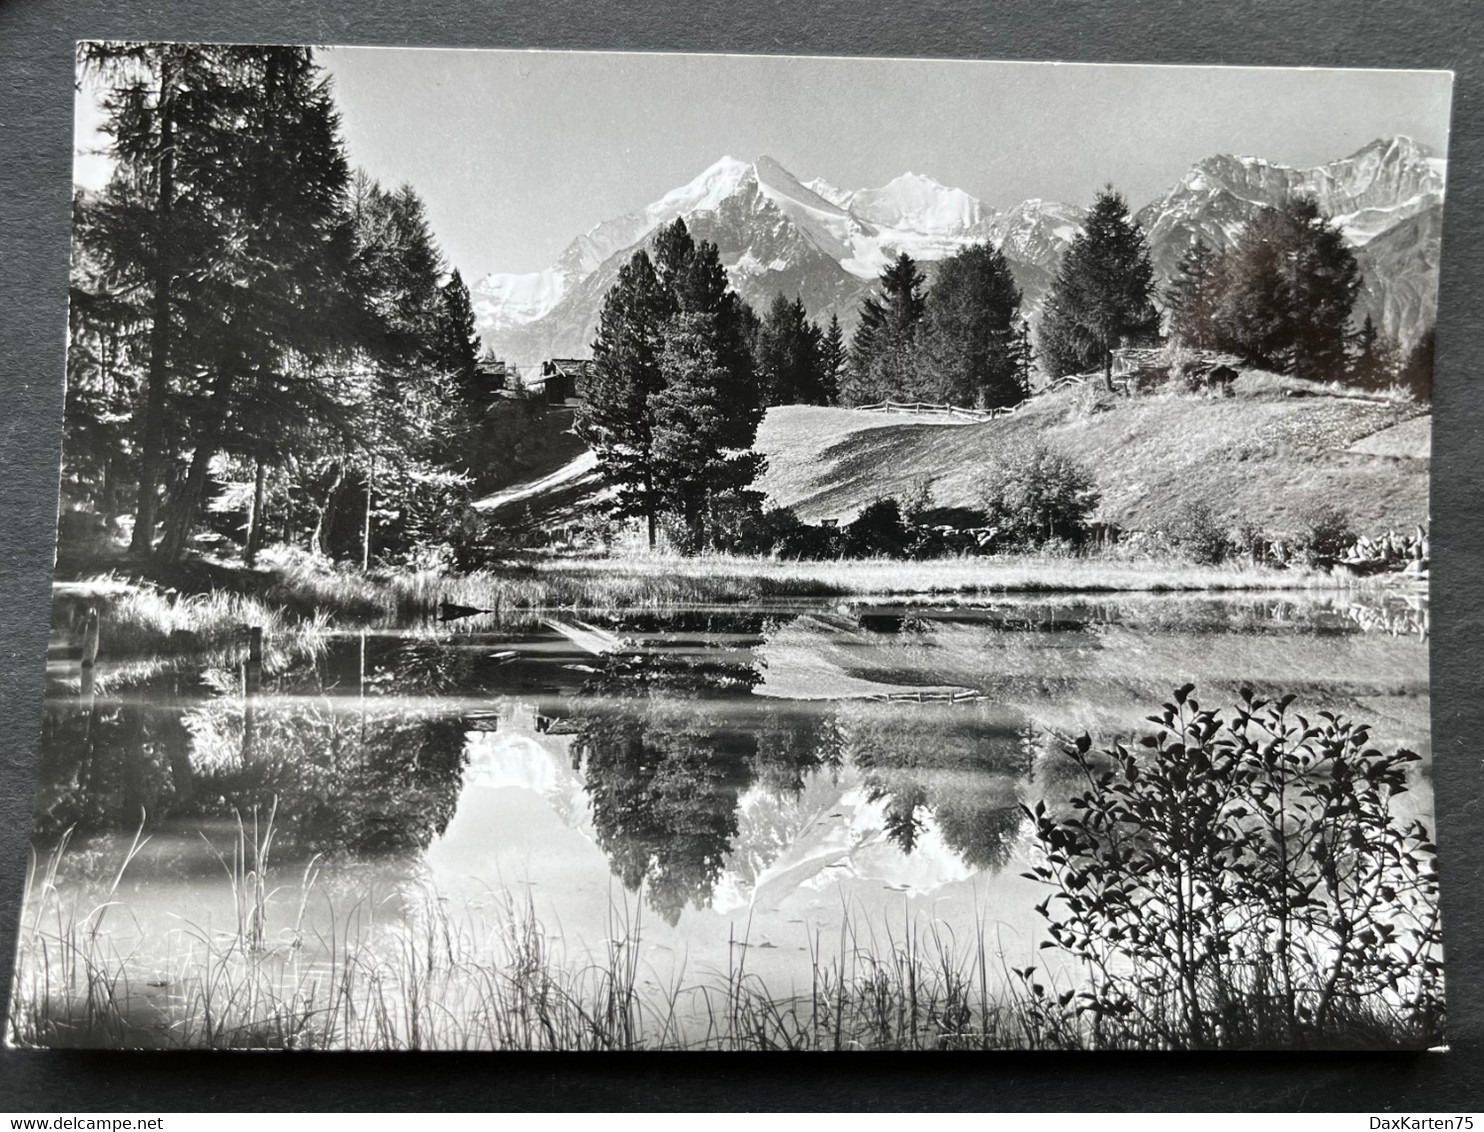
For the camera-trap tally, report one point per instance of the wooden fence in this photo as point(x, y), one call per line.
point(924, 409)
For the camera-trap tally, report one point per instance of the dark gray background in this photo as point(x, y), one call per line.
point(36, 38)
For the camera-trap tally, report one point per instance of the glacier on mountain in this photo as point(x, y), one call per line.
point(829, 244)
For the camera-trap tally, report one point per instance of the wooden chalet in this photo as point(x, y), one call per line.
point(1142, 369)
point(562, 381)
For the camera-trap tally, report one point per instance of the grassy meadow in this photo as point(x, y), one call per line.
point(1261, 454)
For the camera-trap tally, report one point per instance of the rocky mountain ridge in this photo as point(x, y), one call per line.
point(827, 244)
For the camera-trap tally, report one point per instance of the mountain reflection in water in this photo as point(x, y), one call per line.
point(713, 757)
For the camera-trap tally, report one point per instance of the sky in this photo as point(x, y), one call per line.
point(517, 152)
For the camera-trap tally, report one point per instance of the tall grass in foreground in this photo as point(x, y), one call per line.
point(495, 977)
point(492, 978)
point(144, 619)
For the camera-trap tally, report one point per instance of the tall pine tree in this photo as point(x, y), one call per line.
point(1286, 290)
point(968, 344)
point(616, 418)
point(1416, 371)
point(789, 355)
point(833, 357)
point(458, 345)
point(882, 352)
point(673, 361)
point(1101, 297)
point(1191, 297)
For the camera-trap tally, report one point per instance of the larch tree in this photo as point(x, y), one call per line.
point(169, 115)
point(1100, 299)
point(268, 317)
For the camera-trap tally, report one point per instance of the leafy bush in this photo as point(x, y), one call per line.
point(1249, 541)
point(1324, 532)
point(1243, 883)
point(878, 530)
point(1196, 534)
point(739, 525)
point(1034, 494)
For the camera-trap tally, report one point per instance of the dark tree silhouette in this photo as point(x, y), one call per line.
point(968, 342)
point(1101, 297)
point(1286, 289)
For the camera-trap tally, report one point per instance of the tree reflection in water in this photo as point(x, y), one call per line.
point(363, 749)
point(673, 742)
point(947, 763)
point(354, 748)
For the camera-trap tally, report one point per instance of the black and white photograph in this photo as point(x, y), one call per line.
point(584, 551)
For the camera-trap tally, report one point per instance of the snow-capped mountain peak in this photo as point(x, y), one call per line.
point(918, 203)
point(828, 244)
point(832, 193)
point(704, 193)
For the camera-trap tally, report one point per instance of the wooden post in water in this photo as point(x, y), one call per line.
point(90, 639)
point(252, 670)
point(252, 683)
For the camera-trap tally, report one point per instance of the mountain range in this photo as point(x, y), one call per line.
point(828, 245)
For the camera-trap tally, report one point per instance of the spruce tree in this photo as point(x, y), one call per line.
point(640, 416)
point(458, 345)
point(832, 360)
point(967, 344)
point(1101, 297)
point(1374, 364)
point(616, 417)
point(1416, 371)
point(697, 449)
point(1191, 297)
point(1286, 290)
point(789, 360)
point(881, 353)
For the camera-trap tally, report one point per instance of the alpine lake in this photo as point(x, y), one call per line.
point(739, 792)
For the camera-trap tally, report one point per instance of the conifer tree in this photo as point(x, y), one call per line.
point(882, 351)
point(1191, 297)
point(157, 231)
point(968, 345)
point(832, 360)
point(1374, 364)
point(458, 344)
point(1101, 297)
point(1416, 371)
point(1286, 290)
point(789, 358)
point(697, 436)
point(265, 319)
point(677, 306)
point(616, 417)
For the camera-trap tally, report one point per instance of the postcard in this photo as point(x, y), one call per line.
point(587, 551)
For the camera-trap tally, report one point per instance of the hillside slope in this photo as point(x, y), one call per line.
point(1263, 456)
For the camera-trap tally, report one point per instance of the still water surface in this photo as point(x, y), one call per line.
point(741, 783)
